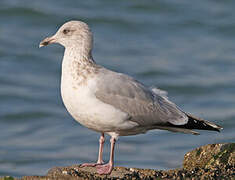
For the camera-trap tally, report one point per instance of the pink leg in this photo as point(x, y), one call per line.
point(107, 168)
point(100, 157)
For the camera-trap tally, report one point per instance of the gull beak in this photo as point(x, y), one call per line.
point(47, 41)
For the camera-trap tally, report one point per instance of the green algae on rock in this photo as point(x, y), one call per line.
point(213, 161)
point(210, 156)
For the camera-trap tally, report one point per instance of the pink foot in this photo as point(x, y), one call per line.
point(91, 164)
point(104, 169)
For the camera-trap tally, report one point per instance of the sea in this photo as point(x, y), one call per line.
point(186, 48)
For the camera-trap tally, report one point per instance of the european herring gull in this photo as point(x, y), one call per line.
point(109, 102)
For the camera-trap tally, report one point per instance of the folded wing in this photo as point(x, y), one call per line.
point(145, 106)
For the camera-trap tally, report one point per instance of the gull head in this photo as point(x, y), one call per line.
point(73, 34)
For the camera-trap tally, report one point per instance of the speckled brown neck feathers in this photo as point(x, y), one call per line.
point(78, 67)
point(83, 69)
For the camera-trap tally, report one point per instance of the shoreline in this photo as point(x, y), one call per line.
point(212, 161)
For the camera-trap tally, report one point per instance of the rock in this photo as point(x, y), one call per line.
point(210, 156)
point(215, 161)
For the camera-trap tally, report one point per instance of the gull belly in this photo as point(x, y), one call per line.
point(89, 111)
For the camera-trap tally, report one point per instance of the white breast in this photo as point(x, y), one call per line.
point(85, 108)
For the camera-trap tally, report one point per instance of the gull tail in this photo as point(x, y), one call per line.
point(193, 123)
point(198, 123)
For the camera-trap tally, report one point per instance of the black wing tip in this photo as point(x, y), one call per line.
point(201, 124)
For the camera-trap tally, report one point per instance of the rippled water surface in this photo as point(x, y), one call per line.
point(186, 48)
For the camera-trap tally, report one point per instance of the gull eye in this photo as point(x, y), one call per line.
point(66, 31)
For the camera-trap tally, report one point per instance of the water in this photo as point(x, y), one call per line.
point(185, 48)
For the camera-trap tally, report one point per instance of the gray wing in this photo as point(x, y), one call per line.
point(145, 106)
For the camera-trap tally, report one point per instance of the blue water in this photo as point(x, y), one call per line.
point(186, 48)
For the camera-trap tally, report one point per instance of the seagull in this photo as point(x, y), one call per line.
point(109, 102)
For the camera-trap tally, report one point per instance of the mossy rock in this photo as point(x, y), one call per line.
point(209, 156)
point(6, 178)
point(215, 161)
